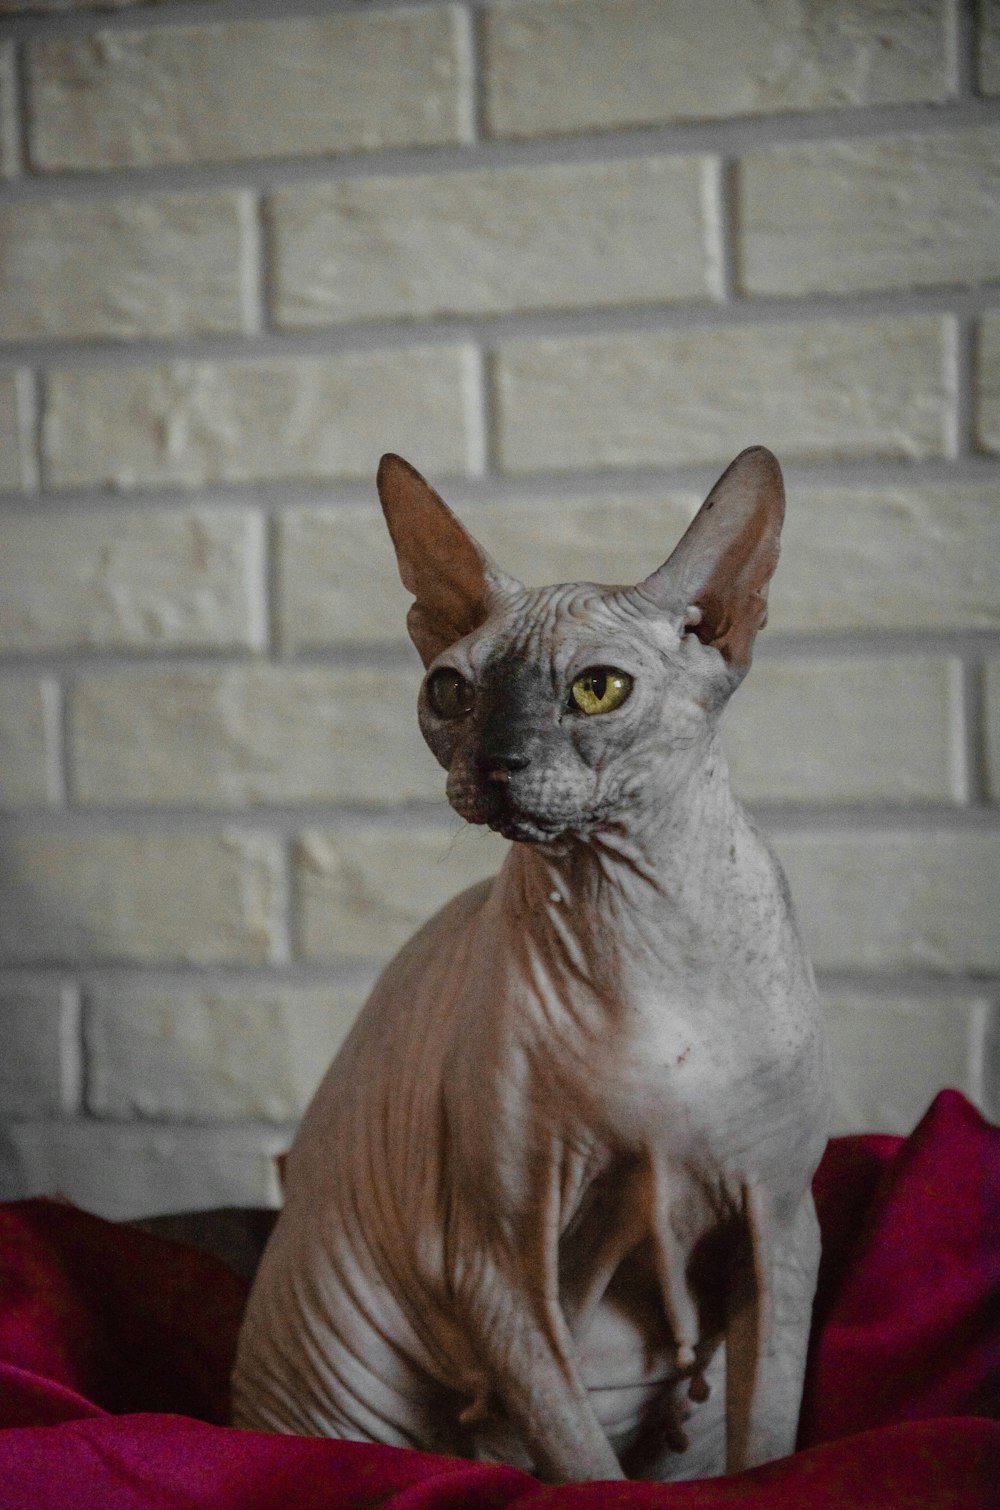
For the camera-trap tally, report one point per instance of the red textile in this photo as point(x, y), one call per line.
point(115, 1349)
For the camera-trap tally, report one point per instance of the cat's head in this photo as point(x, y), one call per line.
point(557, 710)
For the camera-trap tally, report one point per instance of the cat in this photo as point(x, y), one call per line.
point(551, 1204)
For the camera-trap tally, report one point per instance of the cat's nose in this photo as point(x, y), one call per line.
point(499, 765)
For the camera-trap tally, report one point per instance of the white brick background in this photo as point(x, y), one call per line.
point(568, 256)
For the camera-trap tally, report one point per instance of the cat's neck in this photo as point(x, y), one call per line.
point(672, 883)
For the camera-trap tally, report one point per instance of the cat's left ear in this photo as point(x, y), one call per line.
point(452, 579)
point(716, 580)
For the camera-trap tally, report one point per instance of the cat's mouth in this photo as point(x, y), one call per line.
point(505, 815)
point(524, 829)
point(493, 802)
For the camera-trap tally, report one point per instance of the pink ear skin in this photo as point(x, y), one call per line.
point(716, 579)
point(450, 576)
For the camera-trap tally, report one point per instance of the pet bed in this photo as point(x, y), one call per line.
point(116, 1344)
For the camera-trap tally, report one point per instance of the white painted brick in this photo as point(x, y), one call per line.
point(891, 1055)
point(28, 742)
point(182, 579)
point(122, 1171)
point(993, 729)
point(157, 266)
point(14, 470)
point(891, 212)
point(361, 894)
point(212, 1054)
point(249, 89)
point(989, 46)
point(40, 1063)
point(9, 129)
point(11, 1171)
point(337, 579)
point(845, 388)
point(912, 557)
point(337, 575)
point(893, 900)
point(585, 64)
point(191, 423)
point(845, 729)
point(166, 898)
point(250, 735)
point(561, 236)
point(605, 539)
point(989, 383)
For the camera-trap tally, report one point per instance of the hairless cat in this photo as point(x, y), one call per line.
point(551, 1204)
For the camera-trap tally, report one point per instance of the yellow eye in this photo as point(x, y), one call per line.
point(602, 689)
point(449, 694)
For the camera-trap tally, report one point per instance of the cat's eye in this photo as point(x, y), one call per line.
point(449, 694)
point(600, 689)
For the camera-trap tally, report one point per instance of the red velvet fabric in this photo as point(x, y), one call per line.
point(115, 1348)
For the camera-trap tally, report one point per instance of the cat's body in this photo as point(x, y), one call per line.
point(553, 1195)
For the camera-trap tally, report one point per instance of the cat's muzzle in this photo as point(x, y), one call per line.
point(497, 797)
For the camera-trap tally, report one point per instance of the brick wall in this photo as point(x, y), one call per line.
point(568, 256)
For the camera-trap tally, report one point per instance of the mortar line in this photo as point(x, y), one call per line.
point(69, 804)
point(991, 1058)
point(30, 404)
point(86, 1066)
point(477, 400)
point(641, 482)
point(977, 1051)
point(905, 982)
point(382, 338)
point(342, 973)
point(961, 47)
point(349, 972)
point(977, 446)
point(271, 590)
point(15, 108)
point(284, 929)
point(358, 973)
point(866, 642)
point(253, 265)
point(592, 146)
point(72, 1046)
point(472, 99)
point(975, 746)
point(294, 933)
point(172, 16)
point(951, 377)
point(56, 741)
point(718, 194)
point(283, 821)
point(960, 358)
point(40, 400)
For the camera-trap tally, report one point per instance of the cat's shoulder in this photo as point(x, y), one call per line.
point(432, 950)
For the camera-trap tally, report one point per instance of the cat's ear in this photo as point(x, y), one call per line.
point(716, 579)
point(452, 579)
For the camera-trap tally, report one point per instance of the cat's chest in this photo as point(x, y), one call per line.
point(664, 1074)
point(657, 1075)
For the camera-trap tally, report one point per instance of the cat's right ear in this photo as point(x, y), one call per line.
point(452, 579)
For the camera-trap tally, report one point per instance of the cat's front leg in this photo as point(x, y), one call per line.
point(537, 1411)
point(767, 1334)
point(531, 1404)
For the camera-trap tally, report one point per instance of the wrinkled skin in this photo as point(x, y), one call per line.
point(551, 1203)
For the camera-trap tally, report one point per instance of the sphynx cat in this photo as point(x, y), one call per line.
point(551, 1204)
